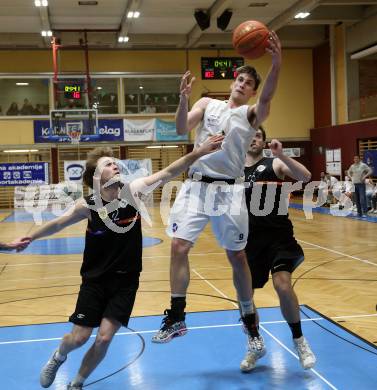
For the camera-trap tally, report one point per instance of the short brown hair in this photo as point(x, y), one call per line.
point(251, 71)
point(91, 163)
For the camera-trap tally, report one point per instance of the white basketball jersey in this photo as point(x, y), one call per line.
point(229, 161)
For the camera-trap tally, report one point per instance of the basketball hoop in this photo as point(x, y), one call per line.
point(74, 131)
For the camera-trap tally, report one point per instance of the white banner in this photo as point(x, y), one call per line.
point(73, 170)
point(289, 152)
point(139, 130)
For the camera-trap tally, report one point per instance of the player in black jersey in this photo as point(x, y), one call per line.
point(112, 258)
point(271, 246)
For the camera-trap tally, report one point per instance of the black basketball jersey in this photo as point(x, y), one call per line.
point(264, 196)
point(107, 251)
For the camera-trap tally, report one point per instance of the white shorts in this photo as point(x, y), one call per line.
point(224, 205)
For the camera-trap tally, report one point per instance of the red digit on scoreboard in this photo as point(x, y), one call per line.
point(209, 74)
point(76, 95)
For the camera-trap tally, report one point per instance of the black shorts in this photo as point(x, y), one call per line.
point(271, 252)
point(111, 296)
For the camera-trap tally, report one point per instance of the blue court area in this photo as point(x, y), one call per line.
point(67, 246)
point(24, 216)
point(326, 210)
point(206, 358)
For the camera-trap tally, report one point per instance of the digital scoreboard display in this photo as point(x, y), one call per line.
point(220, 68)
point(72, 91)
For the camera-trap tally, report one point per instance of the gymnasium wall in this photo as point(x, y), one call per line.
point(345, 137)
point(292, 112)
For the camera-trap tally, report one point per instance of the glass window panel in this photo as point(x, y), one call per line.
point(24, 97)
point(105, 95)
point(362, 88)
point(151, 95)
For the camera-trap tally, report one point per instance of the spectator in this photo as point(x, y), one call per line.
point(374, 201)
point(369, 191)
point(13, 109)
point(331, 185)
point(38, 110)
point(358, 172)
point(27, 108)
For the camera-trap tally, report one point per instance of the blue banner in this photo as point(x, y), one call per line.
point(370, 158)
point(166, 131)
point(108, 130)
point(23, 174)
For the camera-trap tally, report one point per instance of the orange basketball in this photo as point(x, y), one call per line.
point(250, 39)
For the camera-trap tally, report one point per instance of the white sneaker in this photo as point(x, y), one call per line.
point(305, 354)
point(255, 350)
point(49, 370)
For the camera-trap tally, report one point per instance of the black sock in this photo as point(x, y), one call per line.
point(296, 329)
point(178, 305)
point(250, 321)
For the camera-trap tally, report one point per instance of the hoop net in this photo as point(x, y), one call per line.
point(74, 131)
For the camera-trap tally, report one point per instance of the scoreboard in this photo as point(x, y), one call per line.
point(220, 68)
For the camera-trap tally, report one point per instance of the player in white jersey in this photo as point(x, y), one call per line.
point(191, 211)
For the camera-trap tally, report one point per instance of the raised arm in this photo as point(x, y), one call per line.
point(287, 166)
point(79, 212)
point(149, 183)
point(260, 111)
point(186, 120)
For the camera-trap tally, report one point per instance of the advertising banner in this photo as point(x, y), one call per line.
point(23, 174)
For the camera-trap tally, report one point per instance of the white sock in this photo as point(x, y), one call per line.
point(247, 307)
point(78, 380)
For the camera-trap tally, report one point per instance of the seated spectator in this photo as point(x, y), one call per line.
point(374, 201)
point(27, 108)
point(331, 183)
point(37, 109)
point(13, 109)
point(369, 191)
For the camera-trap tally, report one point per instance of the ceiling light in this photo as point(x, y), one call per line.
point(302, 15)
point(46, 33)
point(20, 84)
point(130, 15)
point(44, 3)
point(136, 14)
point(20, 150)
point(37, 3)
point(123, 39)
point(141, 87)
point(99, 88)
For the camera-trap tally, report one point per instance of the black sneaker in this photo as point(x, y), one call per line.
point(170, 328)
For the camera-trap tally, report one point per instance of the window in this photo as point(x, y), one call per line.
point(362, 88)
point(151, 95)
point(22, 97)
point(105, 95)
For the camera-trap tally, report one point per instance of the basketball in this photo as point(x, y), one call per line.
point(250, 39)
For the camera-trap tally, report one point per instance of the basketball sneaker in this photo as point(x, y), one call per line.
point(50, 369)
point(74, 387)
point(170, 328)
point(305, 354)
point(255, 350)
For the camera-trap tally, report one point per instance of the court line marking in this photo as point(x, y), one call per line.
point(270, 334)
point(189, 328)
point(339, 253)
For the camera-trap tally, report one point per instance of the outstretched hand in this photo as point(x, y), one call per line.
point(186, 84)
point(274, 48)
point(210, 145)
point(19, 244)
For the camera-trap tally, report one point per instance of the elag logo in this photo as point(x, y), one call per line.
point(109, 131)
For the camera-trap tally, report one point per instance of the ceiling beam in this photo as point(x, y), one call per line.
point(125, 23)
point(287, 16)
point(45, 24)
point(216, 9)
